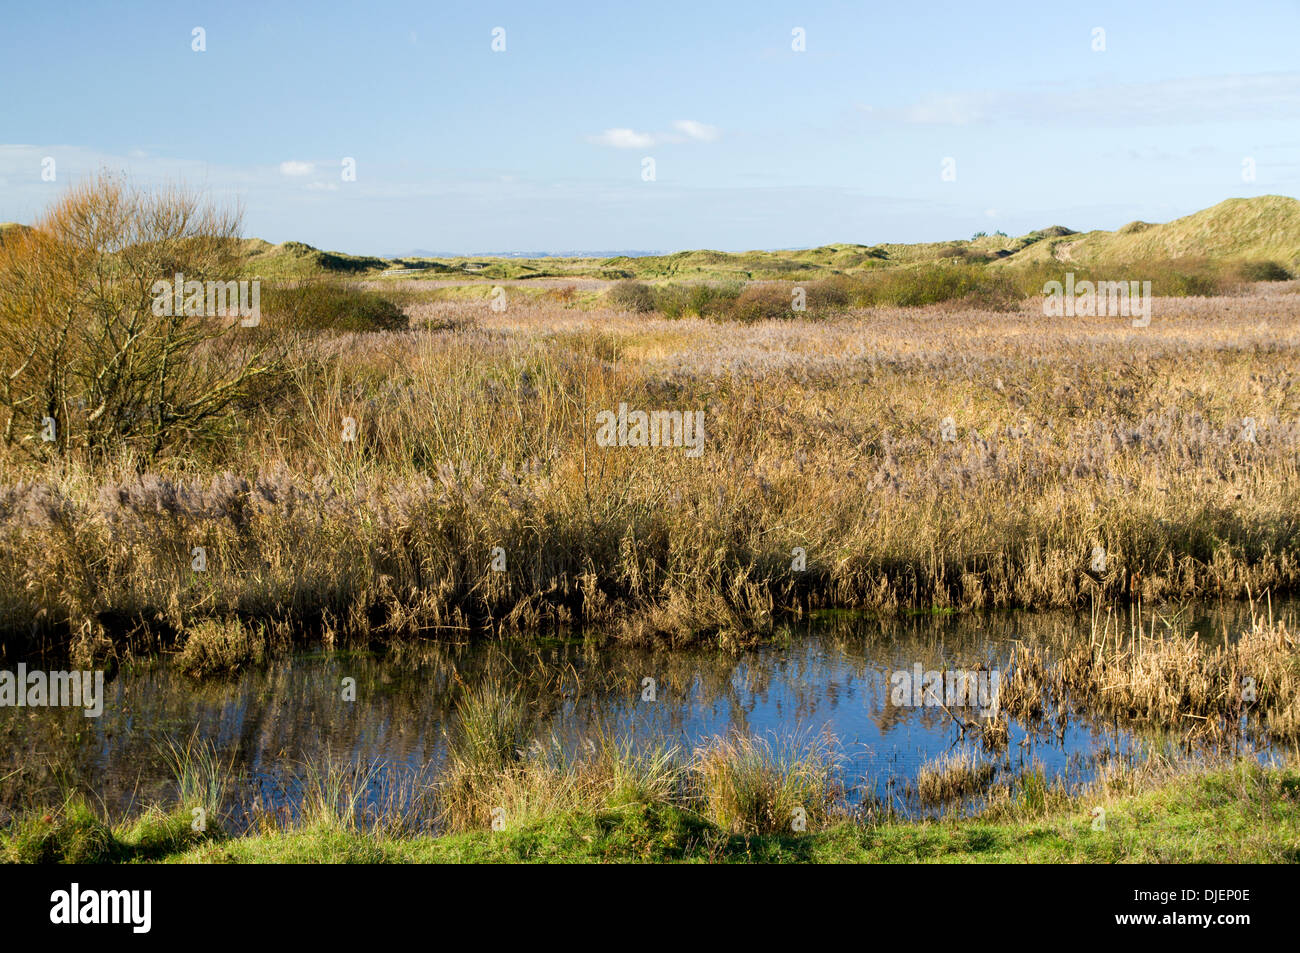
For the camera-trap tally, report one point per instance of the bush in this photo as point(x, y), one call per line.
point(631, 296)
point(764, 303)
point(672, 301)
point(1262, 271)
point(926, 284)
point(997, 291)
point(1178, 277)
point(87, 364)
point(710, 300)
point(831, 294)
point(905, 287)
point(565, 295)
point(315, 305)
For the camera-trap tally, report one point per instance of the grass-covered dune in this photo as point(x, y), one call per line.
point(1264, 228)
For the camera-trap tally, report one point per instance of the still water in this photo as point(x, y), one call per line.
point(831, 674)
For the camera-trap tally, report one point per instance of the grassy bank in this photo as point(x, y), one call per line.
point(1236, 814)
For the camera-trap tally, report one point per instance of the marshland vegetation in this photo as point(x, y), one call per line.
point(382, 464)
point(732, 803)
point(475, 430)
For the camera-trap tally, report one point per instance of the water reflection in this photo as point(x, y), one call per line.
point(832, 674)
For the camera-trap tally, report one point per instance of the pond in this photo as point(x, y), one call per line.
point(831, 675)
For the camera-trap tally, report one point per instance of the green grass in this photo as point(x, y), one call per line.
point(1263, 228)
point(299, 260)
point(1241, 814)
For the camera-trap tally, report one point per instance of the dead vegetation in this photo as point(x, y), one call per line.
point(475, 430)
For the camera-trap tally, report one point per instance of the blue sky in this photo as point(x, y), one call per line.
point(755, 145)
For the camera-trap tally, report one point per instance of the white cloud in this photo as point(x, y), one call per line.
point(624, 139)
point(688, 130)
point(292, 167)
point(699, 131)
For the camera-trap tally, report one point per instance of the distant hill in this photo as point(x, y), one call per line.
point(1266, 228)
point(295, 259)
point(607, 253)
point(1263, 228)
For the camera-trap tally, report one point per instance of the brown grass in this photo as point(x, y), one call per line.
point(476, 430)
point(952, 777)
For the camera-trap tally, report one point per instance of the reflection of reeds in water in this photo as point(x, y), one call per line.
point(1171, 680)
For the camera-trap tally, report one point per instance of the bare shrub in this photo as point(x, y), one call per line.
point(80, 343)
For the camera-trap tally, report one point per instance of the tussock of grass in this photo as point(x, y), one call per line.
point(202, 776)
point(953, 777)
point(751, 785)
point(70, 834)
point(485, 744)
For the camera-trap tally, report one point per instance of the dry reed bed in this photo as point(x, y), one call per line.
point(477, 430)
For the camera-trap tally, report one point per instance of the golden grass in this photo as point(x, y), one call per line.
point(953, 776)
point(476, 430)
point(752, 785)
